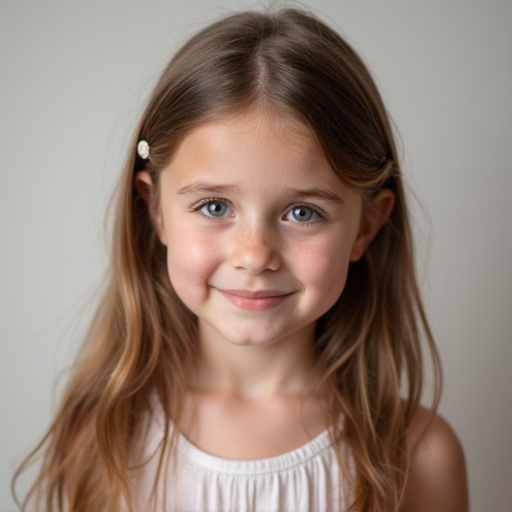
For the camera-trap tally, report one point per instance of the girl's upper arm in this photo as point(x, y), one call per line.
point(437, 474)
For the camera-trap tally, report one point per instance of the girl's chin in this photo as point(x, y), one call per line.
point(253, 335)
point(249, 340)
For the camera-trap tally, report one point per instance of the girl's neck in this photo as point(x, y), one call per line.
point(254, 372)
point(251, 402)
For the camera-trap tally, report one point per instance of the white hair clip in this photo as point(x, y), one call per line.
point(143, 149)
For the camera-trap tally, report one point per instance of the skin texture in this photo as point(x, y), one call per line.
point(257, 245)
point(260, 233)
point(437, 478)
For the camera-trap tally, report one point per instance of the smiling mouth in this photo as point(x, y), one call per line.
point(256, 301)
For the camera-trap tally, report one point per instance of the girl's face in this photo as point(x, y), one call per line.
point(259, 229)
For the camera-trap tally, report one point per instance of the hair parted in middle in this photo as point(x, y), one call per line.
point(369, 344)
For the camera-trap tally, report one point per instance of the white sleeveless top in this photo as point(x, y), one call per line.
point(304, 480)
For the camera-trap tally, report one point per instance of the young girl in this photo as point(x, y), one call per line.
point(259, 345)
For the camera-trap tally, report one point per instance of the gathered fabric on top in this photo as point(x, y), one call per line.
point(303, 480)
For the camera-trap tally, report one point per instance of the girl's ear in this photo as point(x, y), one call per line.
point(374, 216)
point(144, 185)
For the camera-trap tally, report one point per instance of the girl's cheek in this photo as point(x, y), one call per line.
point(325, 268)
point(189, 258)
point(326, 259)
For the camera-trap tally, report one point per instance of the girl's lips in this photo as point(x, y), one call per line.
point(256, 301)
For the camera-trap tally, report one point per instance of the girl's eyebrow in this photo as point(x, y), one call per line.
point(205, 187)
point(315, 193)
point(198, 187)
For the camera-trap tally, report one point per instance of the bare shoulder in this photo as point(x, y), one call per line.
point(437, 474)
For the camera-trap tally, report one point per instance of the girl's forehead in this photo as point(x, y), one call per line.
point(251, 153)
point(258, 125)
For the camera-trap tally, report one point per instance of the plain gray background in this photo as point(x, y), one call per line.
point(74, 78)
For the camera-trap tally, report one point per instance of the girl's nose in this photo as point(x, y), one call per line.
point(252, 250)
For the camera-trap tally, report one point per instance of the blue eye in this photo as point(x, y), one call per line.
point(302, 213)
point(214, 209)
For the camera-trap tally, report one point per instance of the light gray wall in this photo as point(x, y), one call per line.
point(74, 76)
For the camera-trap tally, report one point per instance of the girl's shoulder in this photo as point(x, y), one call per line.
point(437, 471)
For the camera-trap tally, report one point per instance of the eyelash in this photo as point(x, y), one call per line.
point(203, 202)
point(197, 207)
point(320, 214)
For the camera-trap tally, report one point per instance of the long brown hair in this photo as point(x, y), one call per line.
point(370, 344)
